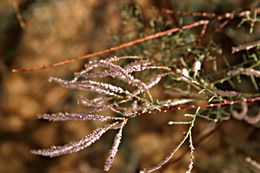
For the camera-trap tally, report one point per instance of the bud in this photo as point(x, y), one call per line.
point(185, 72)
point(197, 66)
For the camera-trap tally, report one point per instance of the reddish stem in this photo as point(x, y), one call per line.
point(149, 37)
point(199, 106)
point(213, 15)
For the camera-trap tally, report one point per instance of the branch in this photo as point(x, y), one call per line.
point(246, 46)
point(213, 15)
point(112, 49)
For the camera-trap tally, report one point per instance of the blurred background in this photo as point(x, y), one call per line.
point(37, 32)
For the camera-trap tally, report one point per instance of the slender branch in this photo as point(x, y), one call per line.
point(246, 46)
point(202, 138)
point(112, 49)
point(19, 17)
point(213, 15)
point(185, 107)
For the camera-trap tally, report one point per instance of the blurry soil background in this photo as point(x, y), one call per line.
point(37, 32)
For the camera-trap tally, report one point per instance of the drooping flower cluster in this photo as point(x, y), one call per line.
point(125, 102)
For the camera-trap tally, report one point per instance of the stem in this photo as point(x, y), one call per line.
point(112, 49)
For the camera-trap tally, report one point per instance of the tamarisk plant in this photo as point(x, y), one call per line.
point(114, 98)
point(128, 95)
point(135, 99)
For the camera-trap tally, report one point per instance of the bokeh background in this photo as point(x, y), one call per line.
point(37, 32)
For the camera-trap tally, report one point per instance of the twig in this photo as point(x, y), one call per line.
point(195, 144)
point(20, 18)
point(213, 15)
point(246, 46)
point(186, 107)
point(149, 37)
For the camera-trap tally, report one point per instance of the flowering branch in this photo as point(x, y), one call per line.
point(132, 102)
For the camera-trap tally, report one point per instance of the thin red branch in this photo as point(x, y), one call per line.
point(149, 37)
point(213, 15)
point(218, 104)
